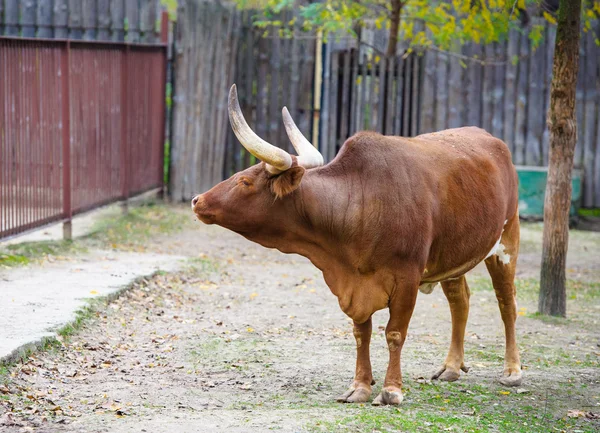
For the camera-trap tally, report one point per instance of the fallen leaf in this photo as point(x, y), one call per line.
point(93, 292)
point(504, 392)
point(575, 413)
point(253, 295)
point(249, 329)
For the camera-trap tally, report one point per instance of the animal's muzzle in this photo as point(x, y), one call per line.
point(201, 209)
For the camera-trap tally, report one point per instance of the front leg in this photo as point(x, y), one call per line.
point(401, 308)
point(360, 390)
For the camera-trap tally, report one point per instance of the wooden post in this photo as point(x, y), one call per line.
point(60, 19)
point(132, 18)
point(11, 17)
point(117, 17)
point(103, 33)
point(89, 16)
point(75, 19)
point(44, 19)
point(28, 15)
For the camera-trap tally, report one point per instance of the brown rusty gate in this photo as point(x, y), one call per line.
point(81, 125)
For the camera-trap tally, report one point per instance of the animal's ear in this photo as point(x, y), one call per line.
point(287, 182)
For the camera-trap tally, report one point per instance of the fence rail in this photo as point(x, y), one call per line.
point(81, 125)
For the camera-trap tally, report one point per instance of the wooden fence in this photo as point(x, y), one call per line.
point(405, 95)
point(215, 46)
point(410, 95)
point(115, 20)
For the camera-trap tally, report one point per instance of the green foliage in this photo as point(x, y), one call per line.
point(171, 6)
point(443, 24)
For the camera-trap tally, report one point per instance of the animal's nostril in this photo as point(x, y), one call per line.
point(194, 201)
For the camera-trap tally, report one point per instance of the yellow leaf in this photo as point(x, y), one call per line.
point(504, 392)
point(549, 18)
point(249, 329)
point(253, 295)
point(93, 292)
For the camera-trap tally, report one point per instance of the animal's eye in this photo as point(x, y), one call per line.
point(245, 182)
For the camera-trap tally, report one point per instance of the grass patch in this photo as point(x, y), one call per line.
point(27, 252)
point(455, 407)
point(137, 226)
point(529, 288)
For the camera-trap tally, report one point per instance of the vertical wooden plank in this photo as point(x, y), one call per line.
point(535, 115)
point(305, 98)
point(103, 33)
point(60, 19)
point(400, 95)
point(261, 102)
point(28, 15)
point(549, 42)
point(596, 175)
point(521, 108)
point(382, 96)
point(333, 107)
point(441, 109)
point(407, 96)
point(474, 91)
point(274, 90)
point(361, 104)
point(132, 21)
point(294, 62)
point(429, 94)
point(324, 130)
point(345, 89)
point(390, 101)
point(372, 95)
point(75, 19)
point(147, 18)
point(579, 158)
point(89, 16)
point(512, 51)
point(117, 20)
point(455, 106)
point(415, 105)
point(488, 88)
point(589, 60)
point(499, 91)
point(354, 83)
point(11, 17)
point(43, 19)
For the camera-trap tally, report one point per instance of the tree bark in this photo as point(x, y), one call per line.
point(394, 27)
point(563, 136)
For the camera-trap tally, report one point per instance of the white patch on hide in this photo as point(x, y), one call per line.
point(502, 256)
point(427, 288)
point(498, 249)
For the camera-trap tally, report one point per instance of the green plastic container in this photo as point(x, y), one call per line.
point(532, 189)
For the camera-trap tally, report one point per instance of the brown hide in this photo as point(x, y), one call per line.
point(385, 211)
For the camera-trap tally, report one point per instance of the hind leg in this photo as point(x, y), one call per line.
point(458, 294)
point(501, 267)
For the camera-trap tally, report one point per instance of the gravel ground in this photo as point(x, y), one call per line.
point(249, 340)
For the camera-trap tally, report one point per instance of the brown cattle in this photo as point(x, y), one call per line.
point(387, 217)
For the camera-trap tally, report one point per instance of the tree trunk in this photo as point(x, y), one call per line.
point(563, 136)
point(394, 27)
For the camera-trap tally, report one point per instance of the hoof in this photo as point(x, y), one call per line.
point(391, 396)
point(512, 378)
point(449, 374)
point(355, 394)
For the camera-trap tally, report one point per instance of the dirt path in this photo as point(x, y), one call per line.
point(251, 340)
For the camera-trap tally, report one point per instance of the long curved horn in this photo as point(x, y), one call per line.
point(278, 160)
point(308, 155)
